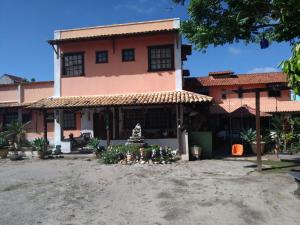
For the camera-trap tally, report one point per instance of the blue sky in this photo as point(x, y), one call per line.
point(27, 24)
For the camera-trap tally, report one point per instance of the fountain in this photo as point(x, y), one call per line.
point(136, 138)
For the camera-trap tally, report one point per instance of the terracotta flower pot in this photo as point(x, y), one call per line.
point(262, 147)
point(3, 153)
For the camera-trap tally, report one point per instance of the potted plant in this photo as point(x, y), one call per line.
point(94, 144)
point(3, 148)
point(41, 146)
point(250, 137)
point(15, 135)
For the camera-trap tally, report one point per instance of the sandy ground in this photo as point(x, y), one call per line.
point(86, 192)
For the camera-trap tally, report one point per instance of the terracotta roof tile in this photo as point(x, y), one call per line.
point(168, 97)
point(13, 104)
point(240, 79)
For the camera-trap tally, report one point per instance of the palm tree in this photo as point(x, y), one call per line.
point(15, 134)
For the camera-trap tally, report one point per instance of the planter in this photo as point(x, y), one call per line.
point(3, 153)
point(15, 156)
point(129, 157)
point(262, 147)
point(196, 151)
point(41, 154)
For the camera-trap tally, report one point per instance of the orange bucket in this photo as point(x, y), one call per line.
point(237, 150)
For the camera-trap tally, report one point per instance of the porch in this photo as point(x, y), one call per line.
point(111, 118)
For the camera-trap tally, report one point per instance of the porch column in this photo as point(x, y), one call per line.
point(116, 123)
point(57, 126)
point(20, 115)
point(107, 127)
point(182, 136)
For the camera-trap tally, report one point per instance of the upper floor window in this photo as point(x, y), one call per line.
point(161, 58)
point(73, 64)
point(128, 55)
point(102, 57)
point(240, 93)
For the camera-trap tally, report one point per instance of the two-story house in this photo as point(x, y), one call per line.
point(109, 78)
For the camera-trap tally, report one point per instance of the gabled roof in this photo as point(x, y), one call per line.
point(14, 78)
point(154, 98)
point(127, 29)
point(239, 79)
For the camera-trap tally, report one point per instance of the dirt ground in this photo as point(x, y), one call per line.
point(86, 192)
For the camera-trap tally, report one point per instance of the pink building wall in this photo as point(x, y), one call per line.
point(216, 93)
point(116, 76)
point(8, 93)
point(36, 91)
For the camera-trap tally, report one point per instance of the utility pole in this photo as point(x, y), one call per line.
point(258, 138)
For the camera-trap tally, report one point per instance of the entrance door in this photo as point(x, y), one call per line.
point(100, 125)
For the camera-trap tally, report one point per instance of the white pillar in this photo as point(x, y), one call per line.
point(57, 60)
point(20, 115)
point(178, 61)
point(58, 126)
point(87, 121)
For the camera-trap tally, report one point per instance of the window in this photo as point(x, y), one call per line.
point(224, 94)
point(274, 93)
point(9, 118)
point(156, 118)
point(240, 93)
point(159, 119)
point(50, 117)
point(69, 120)
point(161, 58)
point(127, 55)
point(73, 64)
point(132, 117)
point(102, 57)
point(26, 117)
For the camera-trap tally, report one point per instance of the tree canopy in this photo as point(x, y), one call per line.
point(217, 22)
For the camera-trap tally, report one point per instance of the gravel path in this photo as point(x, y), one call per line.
point(86, 192)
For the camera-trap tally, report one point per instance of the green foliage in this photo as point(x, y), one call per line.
point(39, 144)
point(94, 143)
point(248, 135)
point(292, 68)
point(285, 133)
point(217, 22)
point(3, 142)
point(15, 133)
point(111, 156)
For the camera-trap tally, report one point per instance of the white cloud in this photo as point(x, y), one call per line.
point(140, 6)
point(263, 70)
point(234, 51)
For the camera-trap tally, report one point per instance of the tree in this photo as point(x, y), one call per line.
point(292, 68)
point(217, 22)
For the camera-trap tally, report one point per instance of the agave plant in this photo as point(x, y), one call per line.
point(40, 144)
point(248, 135)
point(15, 134)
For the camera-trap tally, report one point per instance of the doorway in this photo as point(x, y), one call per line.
point(99, 125)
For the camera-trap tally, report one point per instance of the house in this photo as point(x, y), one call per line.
point(109, 78)
point(234, 108)
point(10, 79)
point(14, 100)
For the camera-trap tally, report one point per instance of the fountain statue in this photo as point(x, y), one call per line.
point(136, 137)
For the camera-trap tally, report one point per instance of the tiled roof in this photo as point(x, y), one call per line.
point(247, 111)
point(13, 104)
point(168, 97)
point(240, 79)
point(129, 29)
point(266, 106)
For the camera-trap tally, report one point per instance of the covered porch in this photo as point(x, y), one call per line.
point(111, 118)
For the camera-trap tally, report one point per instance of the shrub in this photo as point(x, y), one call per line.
point(94, 143)
point(111, 156)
